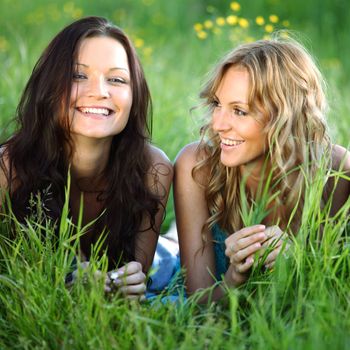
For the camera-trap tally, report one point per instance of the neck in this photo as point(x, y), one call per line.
point(90, 157)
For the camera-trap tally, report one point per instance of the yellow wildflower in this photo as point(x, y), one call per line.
point(235, 6)
point(220, 21)
point(243, 22)
point(138, 42)
point(208, 24)
point(260, 21)
point(269, 28)
point(202, 35)
point(273, 18)
point(286, 23)
point(232, 20)
point(198, 27)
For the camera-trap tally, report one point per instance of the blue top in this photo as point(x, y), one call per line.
point(221, 260)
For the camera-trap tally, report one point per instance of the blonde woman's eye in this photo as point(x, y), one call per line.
point(240, 112)
point(215, 104)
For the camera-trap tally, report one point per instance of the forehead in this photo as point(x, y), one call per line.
point(235, 82)
point(102, 52)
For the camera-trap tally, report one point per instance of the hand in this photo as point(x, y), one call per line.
point(82, 272)
point(129, 280)
point(241, 247)
point(275, 241)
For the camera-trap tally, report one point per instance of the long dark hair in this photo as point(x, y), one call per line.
point(37, 153)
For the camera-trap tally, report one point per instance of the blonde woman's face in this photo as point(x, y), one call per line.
point(241, 132)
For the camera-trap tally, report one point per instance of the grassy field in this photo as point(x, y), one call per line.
point(302, 304)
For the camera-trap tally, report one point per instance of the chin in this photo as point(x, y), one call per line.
point(229, 163)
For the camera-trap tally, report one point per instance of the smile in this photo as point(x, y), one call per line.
point(229, 142)
point(95, 110)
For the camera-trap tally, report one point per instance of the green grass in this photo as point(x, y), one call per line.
point(302, 304)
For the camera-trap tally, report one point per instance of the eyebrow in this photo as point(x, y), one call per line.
point(110, 69)
point(234, 102)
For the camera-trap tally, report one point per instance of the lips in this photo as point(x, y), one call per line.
point(98, 111)
point(231, 142)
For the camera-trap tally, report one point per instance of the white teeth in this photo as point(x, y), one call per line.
point(103, 111)
point(229, 142)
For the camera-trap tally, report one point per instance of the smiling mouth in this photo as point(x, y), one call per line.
point(96, 111)
point(229, 142)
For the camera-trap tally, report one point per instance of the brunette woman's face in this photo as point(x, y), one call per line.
point(243, 141)
point(101, 95)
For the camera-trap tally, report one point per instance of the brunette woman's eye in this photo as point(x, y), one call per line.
point(78, 76)
point(117, 80)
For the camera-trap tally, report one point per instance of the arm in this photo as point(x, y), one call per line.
point(341, 186)
point(130, 278)
point(191, 214)
point(159, 181)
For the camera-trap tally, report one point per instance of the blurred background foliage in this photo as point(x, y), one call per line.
point(178, 42)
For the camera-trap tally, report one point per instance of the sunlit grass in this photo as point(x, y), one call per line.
point(302, 304)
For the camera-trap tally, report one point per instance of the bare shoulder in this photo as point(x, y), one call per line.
point(188, 157)
point(158, 156)
point(190, 154)
point(340, 158)
point(161, 172)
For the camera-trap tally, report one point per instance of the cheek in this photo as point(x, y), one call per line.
point(125, 97)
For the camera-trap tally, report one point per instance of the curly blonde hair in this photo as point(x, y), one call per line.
point(287, 85)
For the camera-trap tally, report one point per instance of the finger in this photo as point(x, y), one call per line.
point(136, 278)
point(244, 267)
point(270, 265)
point(133, 289)
point(274, 232)
point(272, 256)
point(244, 232)
point(273, 242)
point(244, 243)
point(130, 268)
point(245, 253)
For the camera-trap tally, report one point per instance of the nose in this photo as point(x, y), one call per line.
point(98, 88)
point(220, 120)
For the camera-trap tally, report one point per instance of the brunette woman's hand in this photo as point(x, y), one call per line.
point(241, 247)
point(82, 272)
point(129, 280)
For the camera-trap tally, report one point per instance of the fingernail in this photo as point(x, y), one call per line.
point(114, 275)
point(249, 260)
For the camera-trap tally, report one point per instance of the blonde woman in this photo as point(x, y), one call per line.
point(267, 109)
